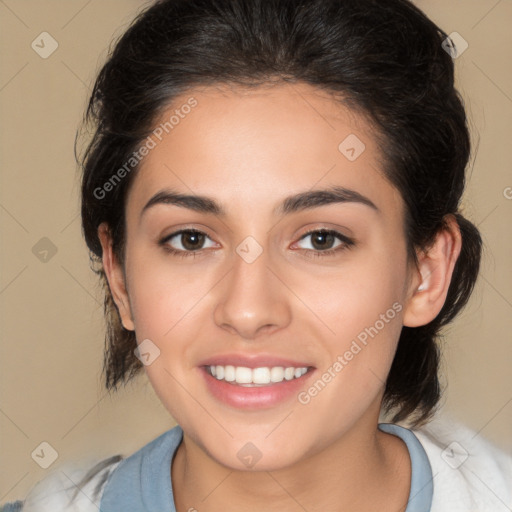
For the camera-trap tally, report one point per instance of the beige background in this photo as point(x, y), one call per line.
point(51, 314)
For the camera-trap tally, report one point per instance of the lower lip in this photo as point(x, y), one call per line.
point(260, 397)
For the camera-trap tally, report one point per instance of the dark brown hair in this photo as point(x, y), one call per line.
point(384, 58)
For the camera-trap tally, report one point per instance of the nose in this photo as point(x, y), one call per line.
point(252, 299)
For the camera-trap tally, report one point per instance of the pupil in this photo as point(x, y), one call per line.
point(323, 237)
point(194, 237)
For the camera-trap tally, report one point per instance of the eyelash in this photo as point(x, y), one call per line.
point(347, 243)
point(310, 253)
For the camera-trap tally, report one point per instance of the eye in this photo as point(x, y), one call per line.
point(323, 242)
point(186, 242)
point(191, 241)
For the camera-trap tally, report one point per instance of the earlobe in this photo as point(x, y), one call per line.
point(115, 277)
point(430, 284)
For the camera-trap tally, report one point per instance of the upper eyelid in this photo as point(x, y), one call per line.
point(329, 230)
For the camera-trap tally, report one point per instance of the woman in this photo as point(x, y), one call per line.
point(272, 197)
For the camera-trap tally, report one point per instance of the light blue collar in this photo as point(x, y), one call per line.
point(142, 482)
point(422, 487)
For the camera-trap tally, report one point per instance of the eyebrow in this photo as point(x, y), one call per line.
point(291, 204)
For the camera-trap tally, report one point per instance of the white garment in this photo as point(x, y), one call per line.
point(469, 475)
point(60, 490)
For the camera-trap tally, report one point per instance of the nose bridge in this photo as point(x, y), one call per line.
point(252, 298)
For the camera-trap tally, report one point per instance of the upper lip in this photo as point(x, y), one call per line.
point(252, 361)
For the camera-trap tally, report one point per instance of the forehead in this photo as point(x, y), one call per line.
point(251, 146)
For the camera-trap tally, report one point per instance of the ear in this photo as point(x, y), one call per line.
point(432, 277)
point(115, 277)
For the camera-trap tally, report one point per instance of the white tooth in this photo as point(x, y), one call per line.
point(243, 375)
point(229, 373)
point(261, 376)
point(289, 372)
point(219, 372)
point(277, 374)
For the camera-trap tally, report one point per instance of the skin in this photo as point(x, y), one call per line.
point(248, 150)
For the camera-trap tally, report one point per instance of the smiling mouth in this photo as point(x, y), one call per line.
point(256, 377)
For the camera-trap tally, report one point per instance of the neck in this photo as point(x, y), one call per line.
point(364, 470)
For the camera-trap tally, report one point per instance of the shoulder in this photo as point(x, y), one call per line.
point(70, 488)
point(469, 472)
point(116, 480)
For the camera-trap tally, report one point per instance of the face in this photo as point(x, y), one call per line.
point(261, 271)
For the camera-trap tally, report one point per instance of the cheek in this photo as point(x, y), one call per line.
point(362, 307)
point(166, 302)
point(164, 295)
point(354, 297)
point(339, 302)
